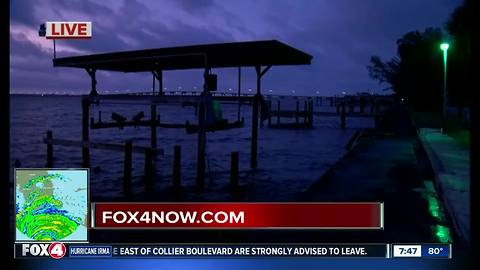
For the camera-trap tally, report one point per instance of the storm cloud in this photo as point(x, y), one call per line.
point(341, 35)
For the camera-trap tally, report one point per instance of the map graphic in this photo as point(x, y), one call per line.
point(51, 205)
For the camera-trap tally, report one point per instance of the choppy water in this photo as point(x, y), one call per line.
point(289, 160)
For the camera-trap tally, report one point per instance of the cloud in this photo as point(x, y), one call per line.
point(341, 35)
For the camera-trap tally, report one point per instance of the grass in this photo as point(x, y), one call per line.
point(455, 127)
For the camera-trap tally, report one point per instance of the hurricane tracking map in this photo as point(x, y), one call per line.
point(51, 205)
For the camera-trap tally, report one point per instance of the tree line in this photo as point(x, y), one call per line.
point(416, 72)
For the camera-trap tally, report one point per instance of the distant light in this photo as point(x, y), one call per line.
point(229, 89)
point(444, 46)
point(165, 88)
point(293, 91)
point(318, 92)
point(344, 93)
point(249, 89)
point(270, 90)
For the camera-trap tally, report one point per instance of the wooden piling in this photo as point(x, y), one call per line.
point(127, 169)
point(362, 104)
point(254, 139)
point(201, 146)
point(351, 105)
point(342, 116)
point(153, 126)
point(310, 114)
point(85, 132)
point(234, 160)
point(177, 152)
point(49, 149)
point(270, 113)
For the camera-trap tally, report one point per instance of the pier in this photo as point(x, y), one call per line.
point(260, 55)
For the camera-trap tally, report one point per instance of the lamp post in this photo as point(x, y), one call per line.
point(444, 48)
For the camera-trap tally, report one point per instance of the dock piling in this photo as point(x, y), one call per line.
point(270, 113)
point(305, 110)
point(342, 116)
point(153, 126)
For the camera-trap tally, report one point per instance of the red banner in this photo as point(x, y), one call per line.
point(239, 215)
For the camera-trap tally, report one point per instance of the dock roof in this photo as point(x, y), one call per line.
point(220, 55)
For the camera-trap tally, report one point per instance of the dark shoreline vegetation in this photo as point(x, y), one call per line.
point(416, 74)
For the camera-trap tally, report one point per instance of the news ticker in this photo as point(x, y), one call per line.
point(58, 250)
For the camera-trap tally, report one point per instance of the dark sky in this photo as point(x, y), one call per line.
point(341, 35)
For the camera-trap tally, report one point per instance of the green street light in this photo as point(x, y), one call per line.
point(444, 47)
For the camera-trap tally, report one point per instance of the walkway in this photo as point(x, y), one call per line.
point(451, 165)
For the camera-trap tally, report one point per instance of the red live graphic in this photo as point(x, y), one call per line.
point(63, 30)
point(239, 215)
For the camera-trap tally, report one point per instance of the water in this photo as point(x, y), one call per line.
point(288, 160)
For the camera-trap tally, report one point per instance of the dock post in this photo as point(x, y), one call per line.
point(85, 132)
point(297, 112)
point(177, 152)
point(270, 113)
point(99, 116)
point(49, 149)
point(310, 114)
point(256, 101)
point(148, 169)
point(351, 105)
point(305, 112)
point(201, 143)
point(331, 101)
point(338, 109)
point(342, 116)
point(253, 146)
point(278, 112)
point(153, 126)
point(238, 91)
point(127, 169)
point(234, 171)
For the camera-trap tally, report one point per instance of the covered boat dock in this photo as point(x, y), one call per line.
point(261, 55)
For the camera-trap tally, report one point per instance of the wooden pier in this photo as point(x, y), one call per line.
point(260, 55)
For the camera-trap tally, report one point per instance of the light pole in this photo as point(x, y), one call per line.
point(444, 48)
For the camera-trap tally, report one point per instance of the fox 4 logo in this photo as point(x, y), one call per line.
point(55, 250)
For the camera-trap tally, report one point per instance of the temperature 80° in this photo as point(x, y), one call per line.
point(435, 251)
